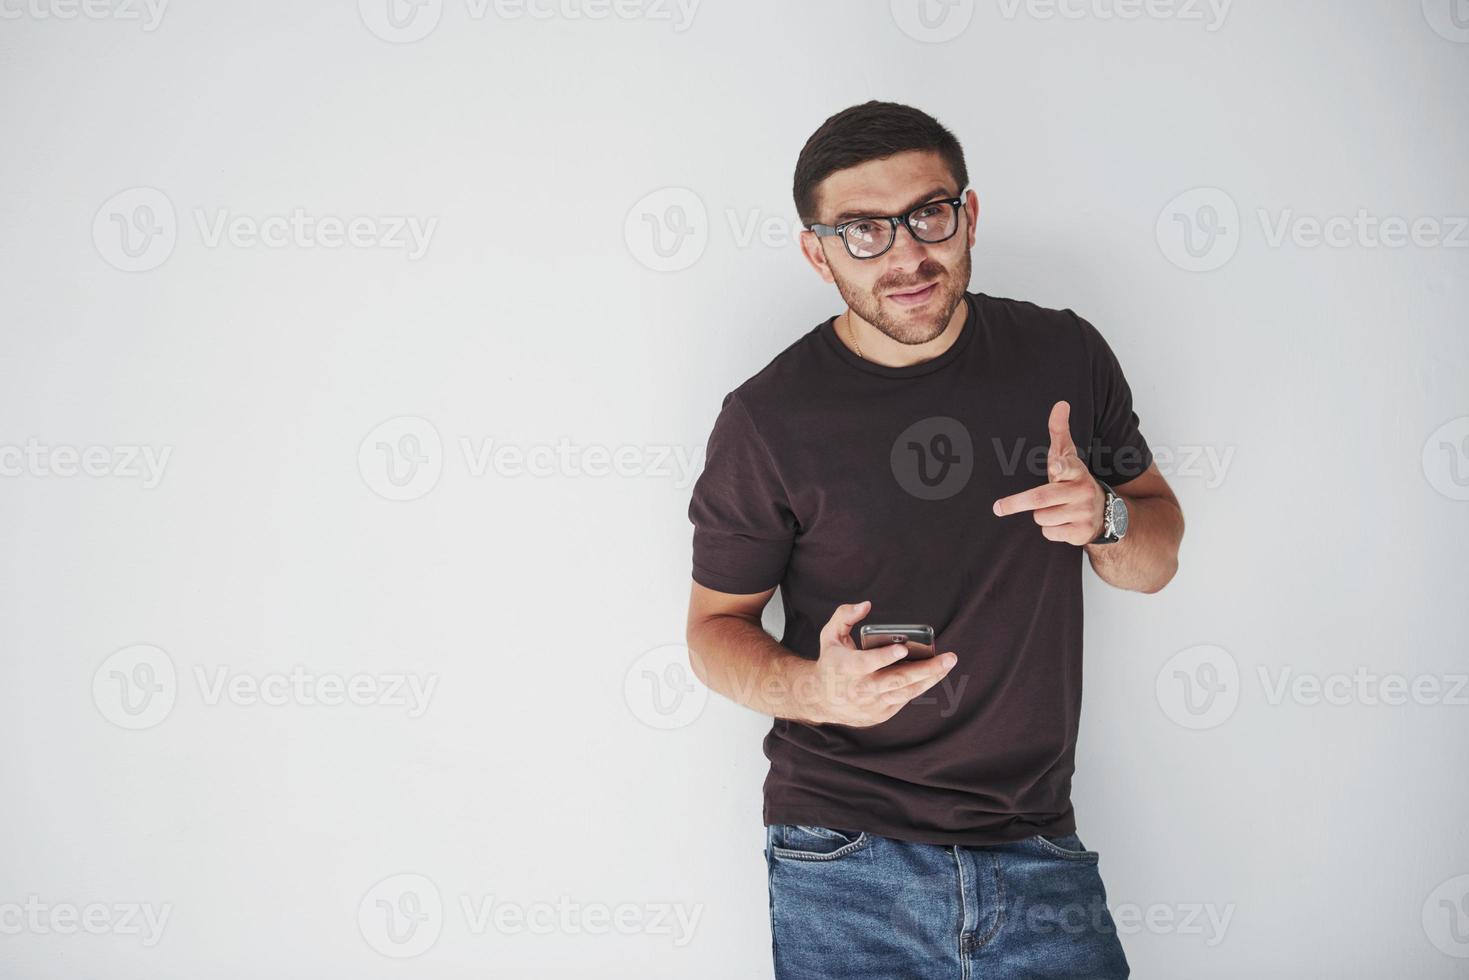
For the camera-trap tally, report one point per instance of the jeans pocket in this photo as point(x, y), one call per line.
point(1068, 846)
point(807, 842)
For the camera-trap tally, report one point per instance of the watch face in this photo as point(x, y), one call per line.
point(1119, 516)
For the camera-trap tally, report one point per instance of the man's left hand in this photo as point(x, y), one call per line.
point(1069, 506)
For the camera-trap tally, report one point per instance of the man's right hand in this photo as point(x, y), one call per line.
point(849, 686)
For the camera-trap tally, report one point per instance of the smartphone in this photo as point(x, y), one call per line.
point(916, 636)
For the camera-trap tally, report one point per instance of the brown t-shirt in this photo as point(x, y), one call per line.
point(841, 480)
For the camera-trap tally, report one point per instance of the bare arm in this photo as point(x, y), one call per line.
point(733, 655)
point(1146, 559)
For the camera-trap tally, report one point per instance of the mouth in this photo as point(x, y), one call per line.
point(915, 297)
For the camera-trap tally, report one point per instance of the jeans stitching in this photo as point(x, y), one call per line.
point(1061, 852)
point(786, 852)
point(999, 905)
point(964, 947)
point(770, 889)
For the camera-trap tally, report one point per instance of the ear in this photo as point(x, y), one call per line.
point(971, 209)
point(815, 254)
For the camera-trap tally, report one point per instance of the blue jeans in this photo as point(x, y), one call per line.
point(846, 903)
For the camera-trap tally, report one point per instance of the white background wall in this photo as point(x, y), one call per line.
point(556, 766)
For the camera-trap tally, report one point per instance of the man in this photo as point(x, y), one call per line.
point(929, 456)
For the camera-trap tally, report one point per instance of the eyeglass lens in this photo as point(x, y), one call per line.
point(930, 223)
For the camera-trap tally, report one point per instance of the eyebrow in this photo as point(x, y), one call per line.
point(938, 192)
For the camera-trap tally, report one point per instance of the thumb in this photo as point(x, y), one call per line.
point(839, 628)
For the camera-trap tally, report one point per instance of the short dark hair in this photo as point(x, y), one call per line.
point(870, 131)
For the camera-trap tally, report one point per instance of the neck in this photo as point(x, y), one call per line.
point(879, 348)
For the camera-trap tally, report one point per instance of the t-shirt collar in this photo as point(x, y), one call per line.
point(851, 357)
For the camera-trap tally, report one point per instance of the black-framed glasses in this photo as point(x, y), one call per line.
point(868, 237)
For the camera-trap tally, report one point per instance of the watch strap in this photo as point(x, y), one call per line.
point(1107, 535)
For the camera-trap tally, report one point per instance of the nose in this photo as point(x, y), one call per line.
point(906, 249)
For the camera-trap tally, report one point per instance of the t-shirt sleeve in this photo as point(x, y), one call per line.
point(1118, 451)
point(743, 523)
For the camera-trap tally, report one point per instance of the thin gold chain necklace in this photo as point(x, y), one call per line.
point(846, 318)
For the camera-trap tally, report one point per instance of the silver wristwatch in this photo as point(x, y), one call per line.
point(1114, 516)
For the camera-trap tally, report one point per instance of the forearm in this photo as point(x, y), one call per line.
point(1146, 558)
point(737, 658)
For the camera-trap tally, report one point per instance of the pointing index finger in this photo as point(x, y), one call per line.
point(1035, 498)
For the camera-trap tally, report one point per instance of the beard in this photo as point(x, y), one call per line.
point(917, 326)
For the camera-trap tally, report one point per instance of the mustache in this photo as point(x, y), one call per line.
point(928, 277)
point(908, 287)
